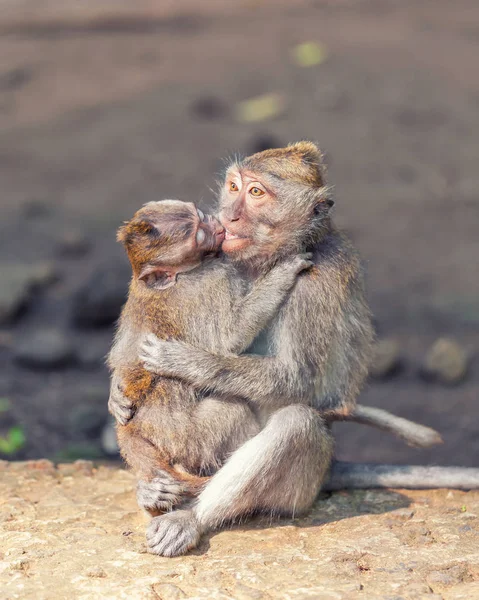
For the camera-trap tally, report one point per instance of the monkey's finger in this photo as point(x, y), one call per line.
point(123, 416)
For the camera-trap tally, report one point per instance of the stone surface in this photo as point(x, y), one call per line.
point(386, 359)
point(99, 300)
point(19, 281)
point(74, 531)
point(45, 349)
point(446, 362)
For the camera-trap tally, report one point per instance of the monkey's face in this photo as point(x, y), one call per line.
point(167, 238)
point(274, 203)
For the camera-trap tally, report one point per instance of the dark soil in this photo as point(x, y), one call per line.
point(99, 115)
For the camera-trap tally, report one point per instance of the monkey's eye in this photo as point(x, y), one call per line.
point(200, 236)
point(256, 192)
point(200, 214)
point(233, 187)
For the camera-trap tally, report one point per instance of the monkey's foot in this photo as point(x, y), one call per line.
point(161, 494)
point(173, 534)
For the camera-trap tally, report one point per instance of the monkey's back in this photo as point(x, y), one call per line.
point(195, 310)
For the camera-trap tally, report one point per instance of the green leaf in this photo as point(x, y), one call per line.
point(260, 108)
point(309, 54)
point(13, 441)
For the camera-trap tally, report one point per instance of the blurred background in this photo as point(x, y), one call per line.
point(108, 104)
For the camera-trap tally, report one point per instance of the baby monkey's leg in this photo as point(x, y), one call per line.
point(160, 488)
point(217, 428)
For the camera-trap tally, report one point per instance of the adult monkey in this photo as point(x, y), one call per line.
point(273, 204)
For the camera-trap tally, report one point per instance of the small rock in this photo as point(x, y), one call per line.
point(109, 442)
point(451, 576)
point(73, 244)
point(99, 301)
point(386, 359)
point(45, 349)
point(41, 464)
point(168, 591)
point(36, 209)
point(88, 420)
point(19, 281)
point(264, 142)
point(446, 361)
point(95, 572)
point(209, 108)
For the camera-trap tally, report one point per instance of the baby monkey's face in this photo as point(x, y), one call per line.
point(167, 238)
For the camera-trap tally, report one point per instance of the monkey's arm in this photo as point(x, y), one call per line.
point(252, 313)
point(346, 475)
point(322, 363)
point(412, 433)
point(258, 378)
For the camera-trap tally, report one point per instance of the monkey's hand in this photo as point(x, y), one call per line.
point(121, 407)
point(299, 263)
point(169, 358)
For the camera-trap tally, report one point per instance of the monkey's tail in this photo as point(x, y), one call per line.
point(345, 475)
point(412, 433)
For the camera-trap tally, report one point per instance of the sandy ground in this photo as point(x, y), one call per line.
point(75, 532)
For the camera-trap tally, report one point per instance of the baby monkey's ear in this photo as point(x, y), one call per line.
point(157, 277)
point(129, 230)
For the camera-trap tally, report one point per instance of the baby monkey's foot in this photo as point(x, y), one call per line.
point(160, 494)
point(173, 534)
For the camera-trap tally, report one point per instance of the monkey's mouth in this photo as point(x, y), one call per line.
point(233, 242)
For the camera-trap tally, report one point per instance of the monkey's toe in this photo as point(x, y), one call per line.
point(173, 534)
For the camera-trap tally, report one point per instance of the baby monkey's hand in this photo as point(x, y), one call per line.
point(121, 407)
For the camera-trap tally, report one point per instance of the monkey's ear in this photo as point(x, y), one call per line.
point(157, 277)
point(127, 232)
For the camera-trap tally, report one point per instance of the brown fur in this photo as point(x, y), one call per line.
point(300, 162)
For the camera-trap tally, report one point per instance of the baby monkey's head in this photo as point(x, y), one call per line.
point(166, 238)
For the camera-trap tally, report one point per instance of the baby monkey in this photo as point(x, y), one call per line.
point(177, 436)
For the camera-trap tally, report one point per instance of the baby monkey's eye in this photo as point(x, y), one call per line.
point(256, 192)
point(200, 236)
point(233, 187)
point(200, 214)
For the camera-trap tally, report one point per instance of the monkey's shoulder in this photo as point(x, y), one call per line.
point(336, 263)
